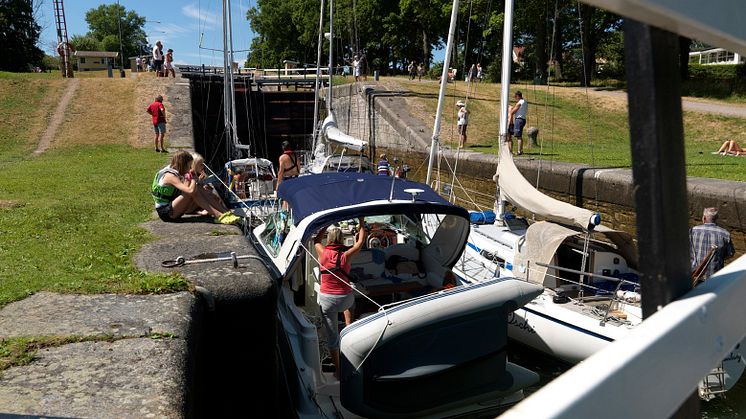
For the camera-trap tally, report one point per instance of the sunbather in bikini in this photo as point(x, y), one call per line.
point(730, 147)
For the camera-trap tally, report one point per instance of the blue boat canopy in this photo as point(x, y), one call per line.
point(307, 195)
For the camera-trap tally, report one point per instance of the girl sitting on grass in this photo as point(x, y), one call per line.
point(175, 195)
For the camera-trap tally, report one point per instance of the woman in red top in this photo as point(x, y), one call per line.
point(336, 294)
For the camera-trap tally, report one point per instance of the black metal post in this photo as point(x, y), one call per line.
point(658, 170)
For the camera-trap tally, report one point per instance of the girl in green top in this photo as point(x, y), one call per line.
point(176, 193)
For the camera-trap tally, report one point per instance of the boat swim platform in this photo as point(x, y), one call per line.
point(206, 352)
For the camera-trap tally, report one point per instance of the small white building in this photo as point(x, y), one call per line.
point(715, 56)
point(95, 60)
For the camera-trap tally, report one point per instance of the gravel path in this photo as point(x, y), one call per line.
point(689, 104)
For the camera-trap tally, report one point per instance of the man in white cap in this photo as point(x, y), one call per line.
point(463, 122)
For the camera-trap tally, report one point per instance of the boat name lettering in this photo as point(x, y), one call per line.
point(522, 324)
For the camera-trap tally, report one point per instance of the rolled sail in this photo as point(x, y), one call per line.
point(334, 134)
point(516, 189)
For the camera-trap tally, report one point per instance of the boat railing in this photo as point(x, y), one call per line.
point(614, 295)
point(675, 348)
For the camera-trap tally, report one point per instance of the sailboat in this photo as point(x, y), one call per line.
point(588, 271)
point(329, 136)
point(246, 184)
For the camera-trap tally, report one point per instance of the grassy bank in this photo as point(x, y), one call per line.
point(576, 128)
point(69, 217)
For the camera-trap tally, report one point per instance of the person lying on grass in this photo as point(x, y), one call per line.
point(730, 147)
point(175, 195)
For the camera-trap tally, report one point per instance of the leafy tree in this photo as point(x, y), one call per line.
point(19, 34)
point(86, 43)
point(104, 27)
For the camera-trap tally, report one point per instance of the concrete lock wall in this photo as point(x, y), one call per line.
point(606, 190)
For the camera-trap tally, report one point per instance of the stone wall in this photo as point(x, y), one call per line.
point(607, 190)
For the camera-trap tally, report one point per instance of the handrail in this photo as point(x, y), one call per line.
point(651, 371)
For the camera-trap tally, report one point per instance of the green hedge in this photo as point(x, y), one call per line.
point(716, 80)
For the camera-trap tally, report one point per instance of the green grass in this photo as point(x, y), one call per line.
point(20, 351)
point(69, 218)
point(75, 224)
point(571, 130)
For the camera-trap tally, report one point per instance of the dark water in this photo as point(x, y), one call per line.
point(480, 192)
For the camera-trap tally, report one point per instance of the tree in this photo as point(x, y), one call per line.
point(104, 26)
point(19, 34)
point(85, 43)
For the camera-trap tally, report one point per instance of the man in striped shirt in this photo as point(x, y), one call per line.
point(703, 238)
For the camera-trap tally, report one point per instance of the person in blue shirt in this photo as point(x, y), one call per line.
point(384, 168)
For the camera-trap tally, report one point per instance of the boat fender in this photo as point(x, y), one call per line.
point(560, 298)
point(207, 296)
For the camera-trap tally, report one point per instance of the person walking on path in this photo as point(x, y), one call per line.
point(412, 69)
point(517, 116)
point(462, 122)
point(158, 58)
point(158, 115)
point(420, 71)
point(709, 244)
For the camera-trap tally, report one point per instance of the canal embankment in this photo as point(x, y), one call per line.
point(146, 351)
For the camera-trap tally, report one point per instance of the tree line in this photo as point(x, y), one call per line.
point(558, 38)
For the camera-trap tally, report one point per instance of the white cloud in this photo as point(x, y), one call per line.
point(204, 17)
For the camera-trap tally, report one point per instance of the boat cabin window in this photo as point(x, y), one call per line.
point(277, 227)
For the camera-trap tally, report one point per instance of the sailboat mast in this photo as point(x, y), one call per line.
point(441, 94)
point(226, 93)
point(318, 79)
point(331, 57)
point(507, 61)
point(232, 84)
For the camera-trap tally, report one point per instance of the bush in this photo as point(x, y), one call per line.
point(716, 80)
point(715, 71)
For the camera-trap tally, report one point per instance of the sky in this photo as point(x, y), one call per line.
point(178, 24)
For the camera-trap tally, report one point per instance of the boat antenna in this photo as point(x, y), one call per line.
point(442, 92)
point(507, 61)
point(393, 178)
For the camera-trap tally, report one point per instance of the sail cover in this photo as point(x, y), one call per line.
point(544, 238)
point(516, 189)
point(336, 135)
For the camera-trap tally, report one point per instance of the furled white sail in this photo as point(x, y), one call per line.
point(516, 189)
point(334, 134)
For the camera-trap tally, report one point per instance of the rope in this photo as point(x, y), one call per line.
point(588, 103)
point(352, 286)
